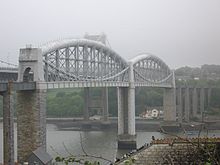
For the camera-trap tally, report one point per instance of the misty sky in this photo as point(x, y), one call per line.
point(181, 32)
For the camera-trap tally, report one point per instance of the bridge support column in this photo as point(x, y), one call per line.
point(122, 106)
point(195, 102)
point(8, 127)
point(131, 111)
point(179, 105)
point(86, 125)
point(86, 104)
point(187, 105)
point(31, 122)
point(126, 118)
point(105, 103)
point(169, 104)
point(209, 96)
point(202, 102)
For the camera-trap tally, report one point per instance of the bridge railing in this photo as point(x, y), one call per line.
point(17, 86)
point(24, 86)
point(9, 68)
point(3, 87)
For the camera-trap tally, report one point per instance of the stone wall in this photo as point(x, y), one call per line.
point(31, 122)
point(8, 127)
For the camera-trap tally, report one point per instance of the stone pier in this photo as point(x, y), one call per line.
point(8, 126)
point(31, 122)
point(31, 105)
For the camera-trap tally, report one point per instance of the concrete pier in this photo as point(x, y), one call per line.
point(105, 104)
point(179, 105)
point(169, 104)
point(126, 119)
point(122, 109)
point(86, 104)
point(192, 102)
point(202, 102)
point(209, 95)
point(187, 105)
point(131, 111)
point(195, 102)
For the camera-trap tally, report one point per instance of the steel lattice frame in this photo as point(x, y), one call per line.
point(150, 70)
point(86, 60)
point(82, 60)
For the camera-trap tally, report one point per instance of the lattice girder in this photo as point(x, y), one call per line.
point(151, 70)
point(82, 60)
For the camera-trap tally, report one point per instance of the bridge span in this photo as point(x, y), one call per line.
point(78, 63)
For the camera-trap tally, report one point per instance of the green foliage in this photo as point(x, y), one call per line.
point(64, 104)
point(70, 102)
point(91, 163)
point(113, 102)
point(129, 161)
point(147, 97)
point(72, 160)
point(60, 94)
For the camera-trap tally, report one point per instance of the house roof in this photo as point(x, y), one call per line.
point(42, 155)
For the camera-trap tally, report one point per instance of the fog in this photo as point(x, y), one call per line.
point(181, 32)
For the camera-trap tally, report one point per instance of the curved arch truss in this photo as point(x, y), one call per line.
point(149, 69)
point(82, 60)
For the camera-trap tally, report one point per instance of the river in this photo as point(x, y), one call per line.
point(97, 143)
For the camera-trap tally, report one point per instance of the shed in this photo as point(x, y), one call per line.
point(40, 157)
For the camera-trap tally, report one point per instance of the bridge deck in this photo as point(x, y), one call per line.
point(17, 86)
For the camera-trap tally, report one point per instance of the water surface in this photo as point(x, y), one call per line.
point(98, 143)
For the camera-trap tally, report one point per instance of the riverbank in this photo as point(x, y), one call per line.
point(77, 124)
point(141, 124)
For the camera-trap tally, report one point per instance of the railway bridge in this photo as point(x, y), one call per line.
point(77, 63)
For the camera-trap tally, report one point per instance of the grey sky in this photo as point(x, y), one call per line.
point(181, 32)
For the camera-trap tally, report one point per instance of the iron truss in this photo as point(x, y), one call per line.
point(85, 60)
point(82, 60)
point(150, 70)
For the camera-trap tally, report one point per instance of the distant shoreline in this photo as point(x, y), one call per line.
point(76, 124)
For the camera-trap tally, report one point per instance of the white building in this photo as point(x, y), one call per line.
point(152, 114)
